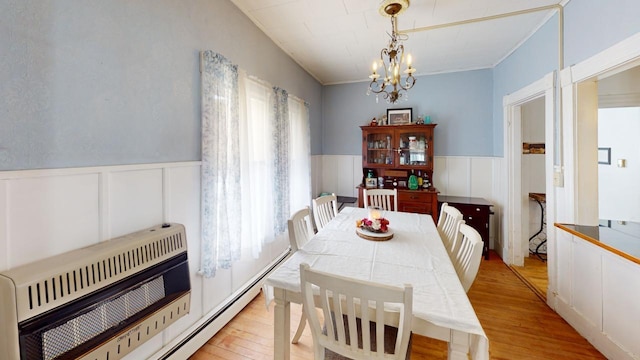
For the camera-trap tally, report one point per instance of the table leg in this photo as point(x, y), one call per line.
point(281, 325)
point(458, 345)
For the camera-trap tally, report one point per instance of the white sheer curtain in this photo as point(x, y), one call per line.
point(255, 162)
point(221, 185)
point(299, 154)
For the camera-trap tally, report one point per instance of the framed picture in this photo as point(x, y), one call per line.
point(371, 182)
point(604, 155)
point(399, 116)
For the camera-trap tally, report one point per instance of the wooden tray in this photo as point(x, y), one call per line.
point(366, 234)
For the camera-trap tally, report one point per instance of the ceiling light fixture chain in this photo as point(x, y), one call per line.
point(392, 59)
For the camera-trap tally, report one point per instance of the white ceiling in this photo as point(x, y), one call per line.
point(336, 41)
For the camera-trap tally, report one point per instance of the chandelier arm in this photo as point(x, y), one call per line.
point(375, 84)
point(392, 60)
point(408, 83)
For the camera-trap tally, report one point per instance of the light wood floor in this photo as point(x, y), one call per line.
point(534, 274)
point(518, 324)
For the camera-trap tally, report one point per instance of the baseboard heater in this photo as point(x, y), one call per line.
point(99, 302)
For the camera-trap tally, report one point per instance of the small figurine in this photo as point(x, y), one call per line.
point(374, 122)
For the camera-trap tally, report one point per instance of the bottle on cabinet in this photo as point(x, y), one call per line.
point(425, 181)
point(413, 181)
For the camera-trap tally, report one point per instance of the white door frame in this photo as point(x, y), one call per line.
point(575, 205)
point(515, 242)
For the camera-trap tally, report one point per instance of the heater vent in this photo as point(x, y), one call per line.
point(109, 314)
point(100, 272)
point(98, 302)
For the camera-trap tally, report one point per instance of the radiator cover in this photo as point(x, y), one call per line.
point(98, 302)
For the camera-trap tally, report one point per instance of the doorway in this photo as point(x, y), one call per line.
point(529, 127)
point(533, 175)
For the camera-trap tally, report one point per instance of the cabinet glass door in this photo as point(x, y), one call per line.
point(379, 148)
point(413, 148)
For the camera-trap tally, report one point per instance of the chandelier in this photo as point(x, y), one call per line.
point(392, 59)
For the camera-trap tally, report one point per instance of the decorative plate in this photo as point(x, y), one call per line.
point(375, 236)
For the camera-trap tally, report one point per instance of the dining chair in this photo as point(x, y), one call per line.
point(448, 224)
point(385, 199)
point(341, 334)
point(300, 231)
point(467, 255)
point(325, 208)
point(300, 228)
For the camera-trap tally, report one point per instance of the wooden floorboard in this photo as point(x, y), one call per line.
point(534, 274)
point(518, 324)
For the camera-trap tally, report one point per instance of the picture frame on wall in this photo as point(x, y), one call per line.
point(604, 155)
point(399, 116)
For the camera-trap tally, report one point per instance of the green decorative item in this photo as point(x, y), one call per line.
point(413, 182)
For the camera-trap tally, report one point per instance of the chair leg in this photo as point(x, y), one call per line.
point(296, 336)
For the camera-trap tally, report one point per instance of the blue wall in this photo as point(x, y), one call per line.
point(468, 105)
point(460, 103)
point(118, 82)
point(590, 26)
point(532, 61)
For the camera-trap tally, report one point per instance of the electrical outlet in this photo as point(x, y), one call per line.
point(558, 178)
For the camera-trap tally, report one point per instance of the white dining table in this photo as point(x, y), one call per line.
point(415, 255)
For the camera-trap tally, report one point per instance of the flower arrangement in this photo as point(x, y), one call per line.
point(380, 225)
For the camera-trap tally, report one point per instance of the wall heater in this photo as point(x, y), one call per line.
point(99, 302)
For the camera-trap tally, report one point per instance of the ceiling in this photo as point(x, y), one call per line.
point(336, 41)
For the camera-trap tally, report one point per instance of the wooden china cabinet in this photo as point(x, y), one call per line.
point(395, 152)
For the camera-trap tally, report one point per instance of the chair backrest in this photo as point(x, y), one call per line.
point(325, 208)
point(448, 224)
point(467, 255)
point(385, 199)
point(340, 298)
point(300, 228)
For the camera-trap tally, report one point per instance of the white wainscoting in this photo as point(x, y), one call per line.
point(453, 175)
point(48, 212)
point(598, 294)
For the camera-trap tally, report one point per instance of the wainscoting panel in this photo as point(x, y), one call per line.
point(586, 282)
point(340, 174)
point(316, 175)
point(348, 185)
point(135, 200)
point(621, 291)
point(182, 199)
point(440, 175)
point(458, 171)
point(47, 216)
point(564, 268)
point(482, 179)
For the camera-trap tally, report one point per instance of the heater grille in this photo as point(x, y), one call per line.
point(104, 270)
point(88, 302)
point(109, 314)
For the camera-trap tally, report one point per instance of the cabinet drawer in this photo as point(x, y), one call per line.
point(415, 207)
point(415, 196)
point(473, 210)
point(477, 223)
